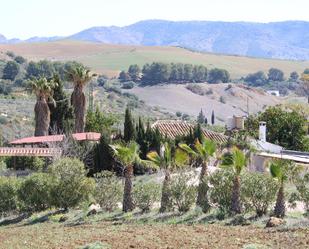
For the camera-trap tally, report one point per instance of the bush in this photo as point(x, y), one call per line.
point(221, 185)
point(302, 194)
point(183, 194)
point(128, 85)
point(8, 197)
point(258, 191)
point(145, 195)
point(108, 190)
point(197, 89)
point(22, 163)
point(33, 193)
point(70, 186)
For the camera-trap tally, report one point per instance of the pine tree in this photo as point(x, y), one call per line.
point(201, 117)
point(213, 118)
point(129, 130)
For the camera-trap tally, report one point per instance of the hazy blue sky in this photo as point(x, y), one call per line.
point(26, 18)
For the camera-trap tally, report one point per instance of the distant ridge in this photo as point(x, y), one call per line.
point(283, 40)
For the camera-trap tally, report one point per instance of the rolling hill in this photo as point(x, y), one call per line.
point(283, 40)
point(110, 59)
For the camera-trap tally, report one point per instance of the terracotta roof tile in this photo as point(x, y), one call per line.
point(175, 128)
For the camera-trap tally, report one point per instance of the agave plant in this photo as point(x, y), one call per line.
point(43, 89)
point(201, 152)
point(128, 155)
point(237, 161)
point(168, 161)
point(80, 76)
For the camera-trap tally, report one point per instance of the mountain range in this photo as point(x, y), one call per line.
point(283, 40)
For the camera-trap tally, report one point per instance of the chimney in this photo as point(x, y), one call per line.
point(262, 131)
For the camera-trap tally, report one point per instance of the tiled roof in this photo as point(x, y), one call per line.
point(11, 151)
point(175, 128)
point(90, 136)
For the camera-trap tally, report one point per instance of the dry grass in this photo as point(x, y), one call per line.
point(110, 59)
point(51, 235)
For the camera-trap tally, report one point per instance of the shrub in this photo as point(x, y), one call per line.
point(258, 191)
point(32, 163)
point(197, 89)
point(221, 185)
point(145, 195)
point(108, 190)
point(33, 193)
point(128, 85)
point(183, 194)
point(70, 186)
point(302, 194)
point(8, 197)
point(222, 100)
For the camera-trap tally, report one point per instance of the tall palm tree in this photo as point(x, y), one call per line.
point(283, 171)
point(43, 90)
point(201, 152)
point(80, 76)
point(167, 160)
point(127, 155)
point(237, 161)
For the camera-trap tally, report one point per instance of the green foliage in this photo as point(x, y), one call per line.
point(42, 68)
point(99, 122)
point(201, 117)
point(108, 191)
point(34, 192)
point(8, 197)
point(20, 59)
point(70, 186)
point(134, 72)
point(103, 155)
point(10, 71)
point(5, 87)
point(302, 193)
point(275, 74)
point(256, 79)
point(128, 85)
point(145, 195)
point(158, 72)
point(182, 193)
point(284, 127)
point(213, 118)
point(221, 186)
point(22, 163)
point(61, 114)
point(236, 161)
point(196, 88)
point(124, 76)
point(129, 131)
point(294, 76)
point(217, 75)
point(258, 192)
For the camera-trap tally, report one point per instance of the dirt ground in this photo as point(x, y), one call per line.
point(51, 235)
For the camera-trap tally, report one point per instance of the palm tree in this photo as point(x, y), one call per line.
point(282, 170)
point(236, 160)
point(127, 155)
point(80, 76)
point(167, 160)
point(43, 90)
point(201, 152)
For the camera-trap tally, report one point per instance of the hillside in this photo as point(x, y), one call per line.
point(225, 99)
point(284, 40)
point(110, 59)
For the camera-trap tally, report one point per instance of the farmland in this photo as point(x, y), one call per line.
point(110, 59)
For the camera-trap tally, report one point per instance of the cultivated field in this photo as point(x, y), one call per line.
point(110, 59)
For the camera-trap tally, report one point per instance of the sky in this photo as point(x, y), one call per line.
point(27, 18)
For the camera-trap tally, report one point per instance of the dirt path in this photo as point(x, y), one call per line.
point(50, 235)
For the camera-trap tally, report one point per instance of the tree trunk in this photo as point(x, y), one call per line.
point(127, 204)
point(166, 193)
point(280, 203)
point(202, 198)
point(78, 100)
point(42, 117)
point(236, 208)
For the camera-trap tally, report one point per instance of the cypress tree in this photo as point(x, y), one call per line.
point(213, 118)
point(129, 130)
point(201, 117)
point(198, 134)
